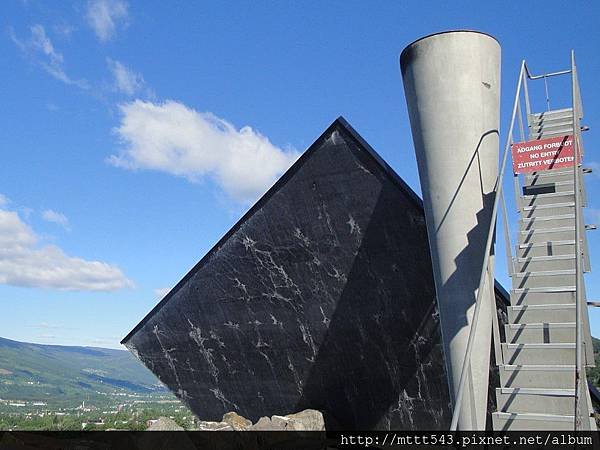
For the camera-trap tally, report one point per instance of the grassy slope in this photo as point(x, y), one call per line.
point(594, 373)
point(43, 372)
point(65, 375)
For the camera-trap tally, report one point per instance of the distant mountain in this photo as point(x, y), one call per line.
point(63, 374)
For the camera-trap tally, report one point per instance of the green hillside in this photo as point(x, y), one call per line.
point(594, 373)
point(64, 375)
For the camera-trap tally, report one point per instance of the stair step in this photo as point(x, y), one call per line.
point(535, 400)
point(521, 297)
point(541, 313)
point(540, 176)
point(540, 333)
point(548, 210)
point(524, 422)
point(539, 376)
point(546, 278)
point(544, 263)
point(554, 198)
point(549, 172)
point(546, 354)
point(548, 248)
point(550, 122)
point(549, 176)
point(563, 112)
point(551, 125)
point(544, 273)
point(547, 134)
point(546, 289)
point(546, 222)
point(548, 234)
point(551, 207)
point(553, 186)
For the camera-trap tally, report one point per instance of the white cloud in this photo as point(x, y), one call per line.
point(24, 261)
point(40, 47)
point(56, 217)
point(161, 292)
point(104, 16)
point(46, 325)
point(125, 80)
point(172, 138)
point(63, 30)
point(102, 341)
point(3, 200)
point(49, 337)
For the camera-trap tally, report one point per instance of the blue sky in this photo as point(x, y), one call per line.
point(134, 134)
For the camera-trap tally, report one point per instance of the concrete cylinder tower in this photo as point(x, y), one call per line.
point(452, 86)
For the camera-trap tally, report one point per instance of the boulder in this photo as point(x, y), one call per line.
point(263, 424)
point(164, 424)
point(214, 426)
point(237, 422)
point(307, 420)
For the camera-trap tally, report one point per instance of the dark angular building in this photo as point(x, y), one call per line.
point(321, 296)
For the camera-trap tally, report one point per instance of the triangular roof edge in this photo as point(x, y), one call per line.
point(387, 168)
point(340, 121)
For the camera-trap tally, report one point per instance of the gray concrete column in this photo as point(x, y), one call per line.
point(452, 86)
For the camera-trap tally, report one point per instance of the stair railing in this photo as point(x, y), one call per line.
point(544, 75)
point(577, 111)
point(485, 267)
point(528, 76)
point(580, 304)
point(579, 368)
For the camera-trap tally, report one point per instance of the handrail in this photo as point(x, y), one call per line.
point(578, 306)
point(544, 75)
point(507, 242)
point(497, 191)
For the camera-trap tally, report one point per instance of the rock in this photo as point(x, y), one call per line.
point(237, 422)
point(263, 424)
point(214, 426)
point(282, 423)
point(164, 424)
point(307, 420)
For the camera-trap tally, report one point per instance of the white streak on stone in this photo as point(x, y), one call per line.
point(196, 334)
point(297, 378)
point(300, 236)
point(219, 396)
point(354, 227)
point(279, 323)
point(307, 338)
point(363, 168)
point(166, 353)
point(232, 325)
point(248, 242)
point(325, 318)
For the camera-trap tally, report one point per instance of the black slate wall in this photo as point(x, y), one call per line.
point(322, 297)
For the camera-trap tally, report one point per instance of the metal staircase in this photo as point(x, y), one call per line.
point(537, 377)
point(543, 350)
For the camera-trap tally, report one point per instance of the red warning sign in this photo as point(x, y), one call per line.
point(552, 153)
